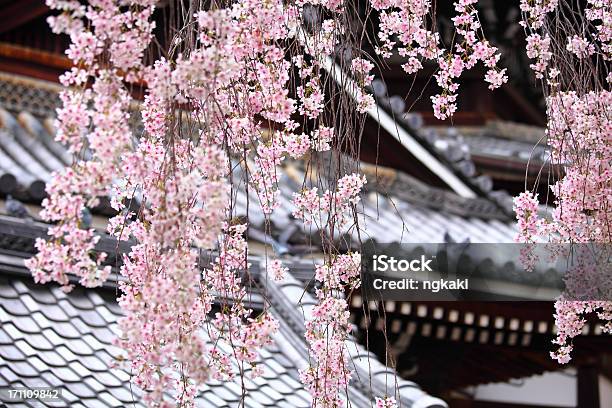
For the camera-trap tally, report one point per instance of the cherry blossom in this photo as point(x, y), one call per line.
point(240, 90)
point(328, 330)
point(407, 22)
point(387, 402)
point(578, 134)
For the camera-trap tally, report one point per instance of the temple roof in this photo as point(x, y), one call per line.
point(52, 339)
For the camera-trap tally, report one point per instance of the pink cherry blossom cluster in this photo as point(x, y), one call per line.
point(311, 97)
point(538, 39)
point(599, 12)
point(530, 226)
point(526, 208)
point(536, 13)
point(277, 270)
point(584, 192)
point(538, 47)
point(94, 119)
point(580, 46)
point(342, 273)
point(465, 55)
point(309, 204)
point(387, 402)
point(322, 137)
point(165, 300)
point(327, 332)
point(328, 329)
point(578, 134)
point(569, 317)
point(244, 334)
point(583, 195)
point(361, 72)
point(405, 22)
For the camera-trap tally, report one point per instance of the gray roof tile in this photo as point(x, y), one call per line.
point(23, 368)
point(271, 393)
point(69, 396)
point(51, 379)
point(38, 364)
point(41, 295)
point(95, 385)
point(5, 338)
point(41, 320)
point(7, 376)
point(215, 400)
point(51, 358)
point(108, 379)
point(25, 348)
point(55, 313)
point(11, 353)
point(52, 336)
point(225, 393)
point(250, 401)
point(94, 343)
point(78, 368)
point(80, 301)
point(66, 330)
point(8, 292)
point(66, 353)
point(66, 374)
point(81, 326)
point(15, 307)
point(94, 403)
point(20, 287)
point(12, 331)
point(92, 318)
point(95, 363)
point(26, 324)
point(80, 389)
point(122, 393)
point(110, 400)
point(29, 303)
point(297, 401)
point(67, 308)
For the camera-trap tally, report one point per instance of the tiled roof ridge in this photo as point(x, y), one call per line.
point(515, 131)
point(397, 184)
point(17, 238)
point(452, 155)
point(20, 93)
point(30, 98)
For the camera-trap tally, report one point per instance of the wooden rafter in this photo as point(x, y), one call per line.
point(32, 55)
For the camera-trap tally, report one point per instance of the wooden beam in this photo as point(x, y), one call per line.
point(31, 55)
point(530, 112)
point(588, 386)
point(20, 12)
